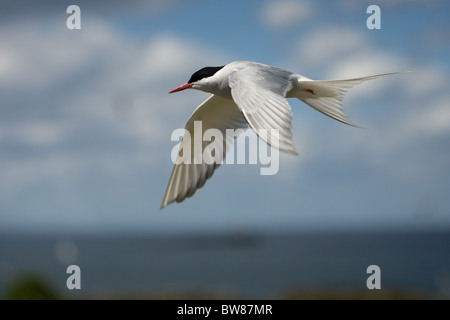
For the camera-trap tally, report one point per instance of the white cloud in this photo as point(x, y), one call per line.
point(34, 133)
point(8, 63)
point(432, 119)
point(327, 44)
point(426, 81)
point(286, 13)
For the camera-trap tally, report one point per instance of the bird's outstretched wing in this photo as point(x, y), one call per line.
point(191, 169)
point(260, 94)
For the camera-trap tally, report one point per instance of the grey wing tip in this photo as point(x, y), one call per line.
point(356, 125)
point(290, 150)
point(165, 203)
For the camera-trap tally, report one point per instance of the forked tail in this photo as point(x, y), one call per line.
point(326, 96)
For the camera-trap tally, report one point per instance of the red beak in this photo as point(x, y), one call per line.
point(182, 87)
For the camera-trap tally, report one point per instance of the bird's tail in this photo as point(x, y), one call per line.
point(326, 96)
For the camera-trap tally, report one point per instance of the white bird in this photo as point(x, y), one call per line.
point(251, 94)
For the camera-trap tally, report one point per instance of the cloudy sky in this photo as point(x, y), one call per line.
point(86, 121)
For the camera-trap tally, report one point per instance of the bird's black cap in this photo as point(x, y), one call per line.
point(204, 73)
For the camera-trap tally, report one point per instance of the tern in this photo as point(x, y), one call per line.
point(250, 94)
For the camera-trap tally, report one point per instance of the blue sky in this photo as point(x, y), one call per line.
point(85, 118)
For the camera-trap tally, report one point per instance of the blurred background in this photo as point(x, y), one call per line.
point(85, 127)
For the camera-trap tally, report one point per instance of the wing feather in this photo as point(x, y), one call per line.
point(218, 113)
point(260, 94)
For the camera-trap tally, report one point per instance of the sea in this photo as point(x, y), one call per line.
point(234, 265)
